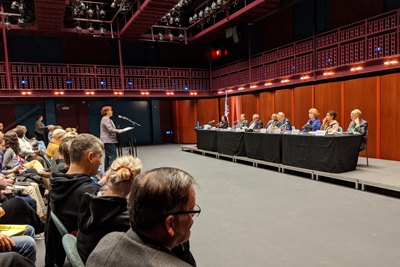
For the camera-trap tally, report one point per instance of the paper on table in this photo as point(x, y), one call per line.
point(13, 229)
point(127, 129)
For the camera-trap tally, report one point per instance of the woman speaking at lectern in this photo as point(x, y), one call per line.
point(108, 135)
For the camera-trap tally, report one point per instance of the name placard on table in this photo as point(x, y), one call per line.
point(295, 131)
point(320, 133)
point(277, 131)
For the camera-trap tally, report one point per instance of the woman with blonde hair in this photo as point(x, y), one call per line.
point(106, 211)
point(313, 124)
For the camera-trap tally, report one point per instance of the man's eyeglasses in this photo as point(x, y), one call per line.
point(196, 211)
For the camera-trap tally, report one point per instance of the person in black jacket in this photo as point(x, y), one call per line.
point(106, 211)
point(256, 123)
point(224, 122)
point(68, 186)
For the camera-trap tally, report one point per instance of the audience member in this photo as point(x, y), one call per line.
point(256, 123)
point(161, 206)
point(313, 124)
point(54, 144)
point(358, 125)
point(68, 186)
point(24, 245)
point(14, 259)
point(68, 130)
point(51, 129)
point(243, 122)
point(39, 128)
point(12, 150)
point(106, 211)
point(58, 127)
point(26, 148)
point(63, 160)
point(329, 123)
point(38, 145)
point(1, 128)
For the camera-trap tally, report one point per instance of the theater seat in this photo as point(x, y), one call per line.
point(69, 244)
point(59, 224)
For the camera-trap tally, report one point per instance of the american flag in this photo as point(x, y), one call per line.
point(226, 106)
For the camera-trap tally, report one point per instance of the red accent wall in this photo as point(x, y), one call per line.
point(187, 121)
point(302, 104)
point(390, 116)
point(266, 107)
point(207, 110)
point(327, 97)
point(283, 102)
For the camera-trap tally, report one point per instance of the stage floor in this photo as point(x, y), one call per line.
point(260, 217)
point(383, 174)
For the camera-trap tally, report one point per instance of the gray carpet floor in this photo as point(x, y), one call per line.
point(257, 217)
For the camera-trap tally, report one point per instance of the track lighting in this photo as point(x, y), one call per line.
point(21, 9)
point(170, 35)
point(191, 20)
point(78, 28)
point(91, 29)
point(214, 6)
point(161, 35)
point(82, 6)
point(201, 14)
point(181, 36)
point(90, 12)
point(177, 21)
point(195, 18)
point(102, 30)
point(14, 5)
point(102, 13)
point(207, 11)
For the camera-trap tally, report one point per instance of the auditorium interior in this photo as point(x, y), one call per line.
point(180, 74)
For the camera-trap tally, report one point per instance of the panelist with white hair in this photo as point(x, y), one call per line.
point(358, 125)
point(256, 123)
point(284, 123)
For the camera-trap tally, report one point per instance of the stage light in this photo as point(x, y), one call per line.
point(328, 73)
point(117, 93)
point(7, 24)
point(285, 81)
point(293, 67)
point(226, 52)
point(230, 91)
point(185, 3)
point(253, 86)
point(220, 92)
point(357, 68)
point(130, 83)
point(181, 36)
point(171, 21)
point(21, 9)
point(207, 10)
point(90, 12)
point(170, 35)
point(305, 78)
point(193, 93)
point(58, 93)
point(241, 89)
point(102, 13)
point(102, 30)
point(218, 52)
point(68, 82)
point(145, 93)
point(177, 21)
point(214, 6)
point(191, 20)
point(393, 62)
point(268, 84)
point(91, 29)
point(378, 49)
point(26, 93)
point(14, 5)
point(170, 93)
point(24, 82)
point(161, 35)
point(102, 83)
point(195, 18)
point(89, 93)
point(82, 6)
point(78, 27)
point(329, 60)
point(186, 88)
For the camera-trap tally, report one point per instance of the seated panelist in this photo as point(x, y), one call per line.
point(224, 123)
point(284, 123)
point(329, 124)
point(256, 123)
point(358, 125)
point(273, 122)
point(243, 122)
point(313, 124)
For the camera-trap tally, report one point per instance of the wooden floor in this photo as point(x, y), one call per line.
point(379, 173)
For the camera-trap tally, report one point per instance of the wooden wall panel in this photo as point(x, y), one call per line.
point(283, 102)
point(266, 106)
point(361, 94)
point(390, 115)
point(327, 97)
point(207, 110)
point(302, 104)
point(249, 106)
point(187, 121)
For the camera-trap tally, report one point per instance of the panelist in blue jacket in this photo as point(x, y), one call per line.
point(313, 124)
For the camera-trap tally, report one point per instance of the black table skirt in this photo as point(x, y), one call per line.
point(333, 154)
point(231, 143)
point(207, 140)
point(265, 147)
